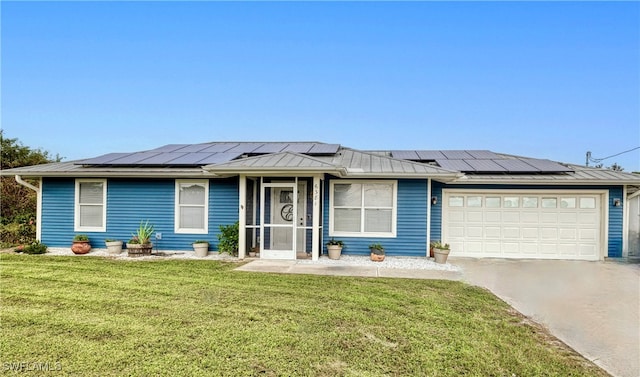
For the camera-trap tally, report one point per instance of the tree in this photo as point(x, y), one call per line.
point(18, 203)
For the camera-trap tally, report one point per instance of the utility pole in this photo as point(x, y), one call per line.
point(588, 157)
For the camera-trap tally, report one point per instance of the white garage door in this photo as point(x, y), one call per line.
point(513, 224)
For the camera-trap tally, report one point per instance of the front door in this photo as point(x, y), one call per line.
point(277, 206)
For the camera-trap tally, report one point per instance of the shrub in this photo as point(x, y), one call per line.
point(81, 237)
point(228, 239)
point(35, 248)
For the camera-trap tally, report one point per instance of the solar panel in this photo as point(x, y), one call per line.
point(485, 166)
point(104, 159)
point(430, 155)
point(134, 158)
point(516, 166)
point(405, 155)
point(547, 166)
point(219, 147)
point(323, 149)
point(298, 147)
point(169, 148)
point(457, 155)
point(193, 148)
point(271, 148)
point(458, 165)
point(483, 155)
point(218, 158)
point(192, 158)
point(246, 147)
point(162, 158)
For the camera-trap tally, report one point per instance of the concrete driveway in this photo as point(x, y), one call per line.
point(594, 307)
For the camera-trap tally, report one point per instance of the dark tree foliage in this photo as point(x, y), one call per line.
point(18, 203)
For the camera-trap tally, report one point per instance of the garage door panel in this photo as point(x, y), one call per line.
point(588, 234)
point(530, 233)
point(567, 249)
point(567, 234)
point(511, 247)
point(537, 225)
point(530, 217)
point(511, 232)
point(456, 231)
point(549, 233)
point(567, 218)
point(474, 216)
point(511, 217)
point(456, 216)
point(492, 231)
point(492, 247)
point(475, 231)
point(588, 250)
point(550, 218)
point(492, 217)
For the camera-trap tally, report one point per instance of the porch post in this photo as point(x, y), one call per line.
point(242, 217)
point(315, 231)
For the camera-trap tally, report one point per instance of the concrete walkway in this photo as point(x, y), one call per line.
point(594, 307)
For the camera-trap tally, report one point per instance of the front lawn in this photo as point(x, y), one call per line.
point(94, 316)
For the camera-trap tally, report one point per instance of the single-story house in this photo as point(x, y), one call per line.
point(290, 198)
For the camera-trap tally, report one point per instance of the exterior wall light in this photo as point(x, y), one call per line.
point(434, 200)
point(616, 202)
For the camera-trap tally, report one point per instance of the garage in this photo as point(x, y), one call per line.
point(524, 224)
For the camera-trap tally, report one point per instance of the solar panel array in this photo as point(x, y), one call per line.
point(481, 161)
point(207, 153)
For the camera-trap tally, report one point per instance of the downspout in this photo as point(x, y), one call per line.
point(38, 203)
point(428, 216)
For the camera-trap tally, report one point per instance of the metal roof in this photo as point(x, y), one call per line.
point(207, 153)
point(227, 158)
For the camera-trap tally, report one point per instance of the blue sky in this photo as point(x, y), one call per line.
point(542, 79)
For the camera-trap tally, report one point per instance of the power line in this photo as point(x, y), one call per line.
point(597, 160)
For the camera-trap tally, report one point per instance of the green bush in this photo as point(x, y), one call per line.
point(18, 231)
point(228, 239)
point(35, 247)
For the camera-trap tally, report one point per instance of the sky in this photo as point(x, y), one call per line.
point(538, 79)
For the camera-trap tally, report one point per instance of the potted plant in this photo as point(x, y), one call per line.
point(334, 247)
point(377, 252)
point(81, 244)
point(113, 246)
point(255, 251)
point(201, 247)
point(440, 251)
point(228, 239)
point(140, 242)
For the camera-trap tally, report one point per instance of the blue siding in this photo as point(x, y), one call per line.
point(614, 248)
point(411, 236)
point(436, 212)
point(130, 201)
point(615, 222)
point(57, 211)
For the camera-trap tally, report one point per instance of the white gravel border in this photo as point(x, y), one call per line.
point(161, 254)
point(407, 263)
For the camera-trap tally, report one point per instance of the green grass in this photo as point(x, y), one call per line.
point(104, 317)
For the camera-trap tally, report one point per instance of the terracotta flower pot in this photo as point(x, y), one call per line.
point(80, 247)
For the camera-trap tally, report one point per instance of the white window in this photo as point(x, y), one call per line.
point(192, 207)
point(90, 205)
point(363, 208)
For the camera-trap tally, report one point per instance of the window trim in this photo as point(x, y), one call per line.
point(76, 204)
point(176, 207)
point(363, 233)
